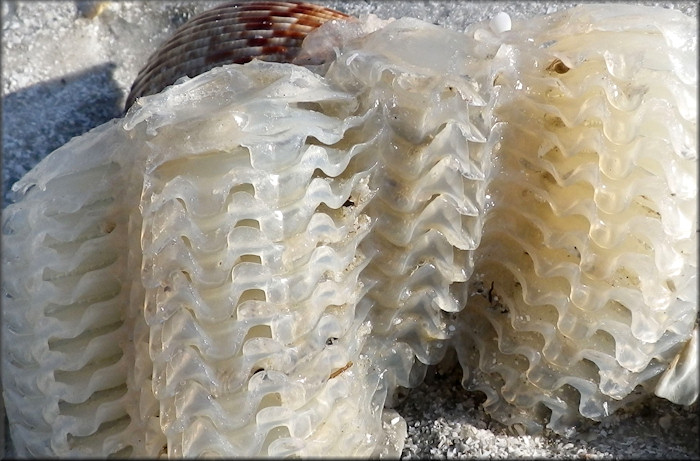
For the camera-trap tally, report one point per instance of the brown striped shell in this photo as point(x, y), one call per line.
point(231, 33)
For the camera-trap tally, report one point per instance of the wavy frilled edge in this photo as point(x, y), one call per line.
point(69, 364)
point(291, 275)
point(249, 219)
point(584, 291)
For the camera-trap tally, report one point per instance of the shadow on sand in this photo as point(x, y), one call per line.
point(41, 118)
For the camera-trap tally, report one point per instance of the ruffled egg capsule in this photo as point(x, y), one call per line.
point(253, 260)
point(584, 294)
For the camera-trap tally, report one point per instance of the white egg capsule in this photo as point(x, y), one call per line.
point(262, 252)
point(585, 285)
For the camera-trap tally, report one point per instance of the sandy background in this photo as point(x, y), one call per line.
point(67, 67)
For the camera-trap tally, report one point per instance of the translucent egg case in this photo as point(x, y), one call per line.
point(254, 260)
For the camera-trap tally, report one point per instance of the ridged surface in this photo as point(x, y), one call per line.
point(584, 287)
point(265, 217)
point(72, 379)
point(232, 33)
point(433, 163)
point(252, 261)
point(251, 273)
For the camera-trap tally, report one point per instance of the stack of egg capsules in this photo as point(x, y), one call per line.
point(251, 261)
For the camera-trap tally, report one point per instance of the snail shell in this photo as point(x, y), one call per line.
point(232, 33)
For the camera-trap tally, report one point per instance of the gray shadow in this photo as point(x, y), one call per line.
point(41, 118)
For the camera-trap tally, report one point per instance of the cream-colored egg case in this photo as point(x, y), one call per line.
point(252, 261)
point(585, 283)
point(247, 263)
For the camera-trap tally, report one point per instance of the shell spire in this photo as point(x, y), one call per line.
point(232, 33)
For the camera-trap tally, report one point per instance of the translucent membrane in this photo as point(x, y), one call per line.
point(268, 249)
point(585, 282)
point(252, 261)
